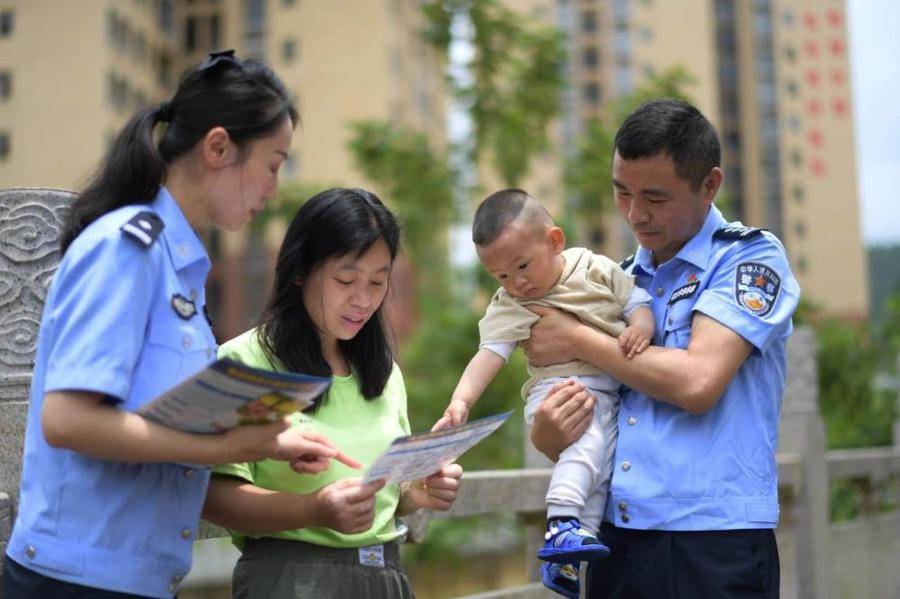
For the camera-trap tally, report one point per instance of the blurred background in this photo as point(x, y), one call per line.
point(435, 104)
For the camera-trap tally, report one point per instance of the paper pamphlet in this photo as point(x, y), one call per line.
point(423, 454)
point(227, 394)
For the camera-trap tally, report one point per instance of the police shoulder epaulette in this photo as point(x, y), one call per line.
point(144, 227)
point(626, 262)
point(735, 233)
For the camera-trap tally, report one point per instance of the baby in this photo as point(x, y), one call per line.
point(518, 243)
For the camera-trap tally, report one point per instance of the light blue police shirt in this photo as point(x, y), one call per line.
point(110, 326)
point(677, 471)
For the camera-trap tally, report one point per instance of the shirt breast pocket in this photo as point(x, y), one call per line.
point(176, 348)
point(677, 327)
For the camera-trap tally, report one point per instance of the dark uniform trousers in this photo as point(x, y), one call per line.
point(658, 564)
point(21, 583)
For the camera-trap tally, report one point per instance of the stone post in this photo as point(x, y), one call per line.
point(30, 221)
point(897, 409)
point(535, 525)
point(802, 433)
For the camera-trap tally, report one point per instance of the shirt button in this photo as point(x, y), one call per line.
point(670, 321)
point(173, 587)
point(189, 473)
point(186, 342)
point(632, 421)
point(177, 578)
point(660, 291)
point(186, 533)
point(625, 518)
point(623, 506)
point(193, 295)
point(626, 466)
point(30, 551)
point(209, 353)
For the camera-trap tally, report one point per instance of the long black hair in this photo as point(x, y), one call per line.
point(331, 224)
point(246, 98)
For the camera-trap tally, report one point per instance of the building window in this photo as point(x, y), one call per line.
point(591, 93)
point(254, 28)
point(288, 3)
point(590, 57)
point(215, 32)
point(117, 90)
point(589, 21)
point(165, 70)
point(190, 34)
point(289, 51)
point(289, 168)
point(5, 85)
point(798, 193)
point(117, 30)
point(166, 16)
point(7, 20)
point(4, 146)
point(623, 80)
point(792, 88)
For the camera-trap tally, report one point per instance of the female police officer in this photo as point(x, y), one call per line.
point(105, 509)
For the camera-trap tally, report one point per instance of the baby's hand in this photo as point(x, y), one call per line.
point(456, 413)
point(634, 340)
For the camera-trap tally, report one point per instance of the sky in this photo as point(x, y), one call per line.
point(874, 32)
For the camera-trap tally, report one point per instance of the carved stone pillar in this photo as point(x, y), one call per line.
point(30, 222)
point(804, 546)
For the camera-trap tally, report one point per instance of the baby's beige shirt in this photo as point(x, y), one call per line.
point(592, 287)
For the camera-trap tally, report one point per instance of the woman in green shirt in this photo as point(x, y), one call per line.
point(326, 534)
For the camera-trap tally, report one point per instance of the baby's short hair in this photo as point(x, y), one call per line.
point(501, 208)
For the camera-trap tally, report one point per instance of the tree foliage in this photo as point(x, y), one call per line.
point(516, 81)
point(417, 183)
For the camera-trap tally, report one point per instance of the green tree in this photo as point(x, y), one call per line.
point(417, 183)
point(284, 205)
point(516, 80)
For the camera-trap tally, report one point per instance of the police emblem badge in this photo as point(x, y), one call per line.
point(183, 307)
point(756, 287)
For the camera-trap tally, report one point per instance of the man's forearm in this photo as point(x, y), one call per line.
point(692, 379)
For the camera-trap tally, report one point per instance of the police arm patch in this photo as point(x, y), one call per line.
point(144, 227)
point(756, 287)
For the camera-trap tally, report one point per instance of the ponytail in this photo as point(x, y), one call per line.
point(244, 97)
point(131, 173)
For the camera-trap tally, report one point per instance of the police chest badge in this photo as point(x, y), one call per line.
point(685, 291)
point(756, 287)
point(183, 307)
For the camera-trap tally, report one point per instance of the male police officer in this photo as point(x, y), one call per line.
point(694, 496)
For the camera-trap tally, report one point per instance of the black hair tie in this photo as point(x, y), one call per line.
point(223, 57)
point(165, 112)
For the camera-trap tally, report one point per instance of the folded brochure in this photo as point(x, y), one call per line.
point(228, 393)
point(423, 454)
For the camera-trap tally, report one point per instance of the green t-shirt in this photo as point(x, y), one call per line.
point(361, 429)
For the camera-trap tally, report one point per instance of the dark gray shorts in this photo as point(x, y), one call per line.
point(282, 569)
